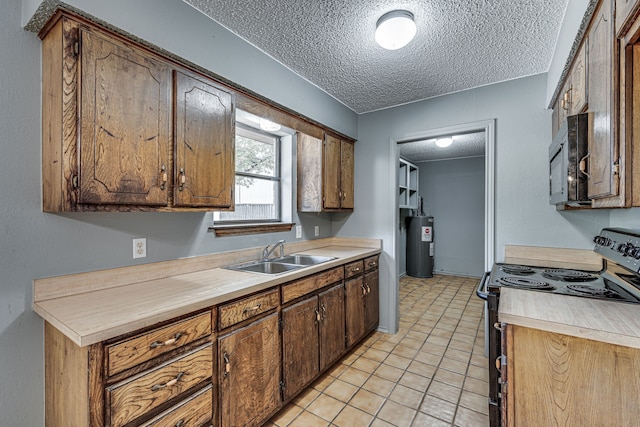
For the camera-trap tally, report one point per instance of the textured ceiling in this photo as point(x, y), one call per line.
point(467, 145)
point(460, 44)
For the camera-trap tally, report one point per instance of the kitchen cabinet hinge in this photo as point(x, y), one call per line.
point(282, 387)
point(74, 181)
point(76, 48)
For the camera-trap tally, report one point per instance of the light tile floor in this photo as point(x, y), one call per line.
point(431, 373)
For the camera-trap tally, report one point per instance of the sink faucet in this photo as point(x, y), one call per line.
point(269, 249)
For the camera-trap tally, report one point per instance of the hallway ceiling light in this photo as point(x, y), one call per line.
point(444, 142)
point(395, 29)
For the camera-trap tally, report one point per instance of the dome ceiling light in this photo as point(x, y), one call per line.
point(395, 29)
point(444, 142)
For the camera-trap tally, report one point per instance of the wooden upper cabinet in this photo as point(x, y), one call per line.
point(204, 151)
point(110, 110)
point(603, 147)
point(125, 124)
point(325, 174)
point(578, 86)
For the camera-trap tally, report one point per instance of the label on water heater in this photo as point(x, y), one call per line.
point(431, 249)
point(427, 233)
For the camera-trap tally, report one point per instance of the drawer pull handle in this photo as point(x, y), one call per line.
point(355, 269)
point(227, 364)
point(318, 317)
point(324, 311)
point(168, 383)
point(170, 341)
point(180, 423)
point(368, 289)
point(497, 326)
point(364, 290)
point(254, 308)
point(372, 263)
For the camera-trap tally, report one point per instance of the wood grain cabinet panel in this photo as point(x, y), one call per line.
point(249, 371)
point(353, 269)
point(560, 380)
point(125, 121)
point(133, 351)
point(372, 300)
point(603, 148)
point(578, 85)
point(325, 174)
point(301, 287)
point(193, 412)
point(354, 306)
point(300, 346)
point(332, 325)
point(246, 308)
point(140, 394)
point(204, 157)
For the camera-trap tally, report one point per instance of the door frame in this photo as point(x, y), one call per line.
point(486, 126)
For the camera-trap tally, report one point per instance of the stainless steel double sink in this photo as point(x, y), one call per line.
point(282, 264)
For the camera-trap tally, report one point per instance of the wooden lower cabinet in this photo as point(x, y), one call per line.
point(372, 300)
point(354, 305)
point(362, 306)
point(313, 335)
point(249, 373)
point(552, 379)
point(270, 345)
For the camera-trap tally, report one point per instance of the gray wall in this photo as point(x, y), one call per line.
point(453, 192)
point(523, 133)
point(34, 244)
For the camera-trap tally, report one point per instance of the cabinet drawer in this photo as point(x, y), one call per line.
point(304, 286)
point(192, 412)
point(371, 263)
point(126, 354)
point(138, 395)
point(353, 269)
point(247, 308)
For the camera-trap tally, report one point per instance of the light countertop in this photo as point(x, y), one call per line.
point(96, 314)
point(607, 321)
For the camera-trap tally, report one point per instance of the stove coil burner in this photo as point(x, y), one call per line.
point(524, 283)
point(594, 292)
point(519, 270)
point(568, 275)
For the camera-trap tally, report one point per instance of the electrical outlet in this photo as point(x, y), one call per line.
point(316, 230)
point(298, 231)
point(139, 248)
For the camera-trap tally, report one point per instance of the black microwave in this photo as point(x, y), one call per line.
point(567, 183)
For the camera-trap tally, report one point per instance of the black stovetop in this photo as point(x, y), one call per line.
point(559, 281)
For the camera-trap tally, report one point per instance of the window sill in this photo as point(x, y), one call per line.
point(240, 229)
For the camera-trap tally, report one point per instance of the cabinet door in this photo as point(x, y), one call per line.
point(249, 366)
point(125, 124)
point(372, 307)
point(602, 146)
point(332, 327)
point(354, 307)
point(346, 174)
point(204, 156)
point(578, 88)
point(300, 345)
point(331, 166)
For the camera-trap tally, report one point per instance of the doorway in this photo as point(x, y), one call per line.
point(487, 128)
